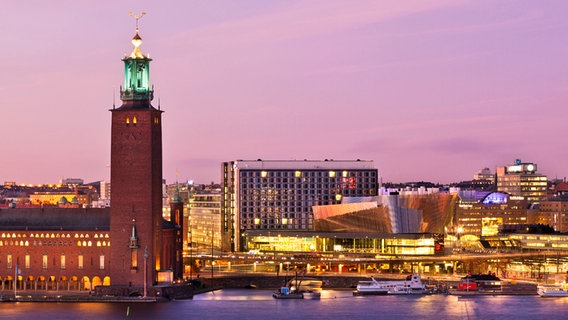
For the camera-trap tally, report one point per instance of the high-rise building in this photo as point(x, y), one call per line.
point(136, 177)
point(205, 219)
point(521, 179)
point(279, 195)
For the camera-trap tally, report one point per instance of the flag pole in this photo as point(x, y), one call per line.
point(15, 280)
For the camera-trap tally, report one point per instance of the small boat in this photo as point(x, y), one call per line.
point(305, 284)
point(286, 293)
point(478, 284)
point(412, 285)
point(550, 290)
point(312, 295)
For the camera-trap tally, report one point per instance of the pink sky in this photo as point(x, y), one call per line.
point(429, 90)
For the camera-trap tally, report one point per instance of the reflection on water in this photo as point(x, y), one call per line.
point(334, 304)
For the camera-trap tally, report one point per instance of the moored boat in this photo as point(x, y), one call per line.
point(412, 285)
point(286, 293)
point(312, 295)
point(548, 290)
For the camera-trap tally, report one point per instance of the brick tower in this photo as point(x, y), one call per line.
point(136, 177)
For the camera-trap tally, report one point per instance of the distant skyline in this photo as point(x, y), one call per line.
point(428, 90)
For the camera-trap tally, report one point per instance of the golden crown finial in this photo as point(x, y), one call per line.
point(137, 17)
point(137, 41)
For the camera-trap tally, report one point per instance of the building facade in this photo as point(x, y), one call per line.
point(553, 212)
point(279, 195)
point(205, 219)
point(521, 179)
point(54, 248)
point(482, 216)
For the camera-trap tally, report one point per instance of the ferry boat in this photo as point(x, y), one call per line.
point(412, 285)
point(552, 290)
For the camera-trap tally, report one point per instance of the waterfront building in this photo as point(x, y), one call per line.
point(311, 242)
point(205, 219)
point(480, 213)
point(521, 179)
point(54, 249)
point(279, 195)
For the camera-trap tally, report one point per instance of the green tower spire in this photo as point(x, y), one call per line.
point(137, 72)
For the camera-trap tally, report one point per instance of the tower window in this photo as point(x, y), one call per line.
point(134, 120)
point(156, 120)
point(127, 121)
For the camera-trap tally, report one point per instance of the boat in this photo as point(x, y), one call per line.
point(479, 283)
point(286, 293)
point(411, 285)
point(311, 295)
point(305, 284)
point(552, 290)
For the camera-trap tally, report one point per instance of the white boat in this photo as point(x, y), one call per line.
point(552, 290)
point(412, 285)
point(305, 284)
point(312, 295)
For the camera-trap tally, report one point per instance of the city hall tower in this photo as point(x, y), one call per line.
point(136, 177)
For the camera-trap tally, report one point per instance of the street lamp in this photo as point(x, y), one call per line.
point(458, 241)
point(145, 271)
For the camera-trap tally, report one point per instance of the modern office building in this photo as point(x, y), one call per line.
point(279, 195)
point(481, 213)
point(521, 179)
point(205, 219)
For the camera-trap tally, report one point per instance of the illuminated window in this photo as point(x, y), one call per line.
point(44, 261)
point(263, 174)
point(9, 261)
point(256, 221)
point(127, 120)
point(102, 261)
point(63, 261)
point(332, 174)
point(90, 244)
point(298, 174)
point(344, 174)
point(27, 261)
point(98, 243)
point(134, 120)
point(80, 261)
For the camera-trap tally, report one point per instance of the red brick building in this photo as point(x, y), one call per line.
point(128, 245)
